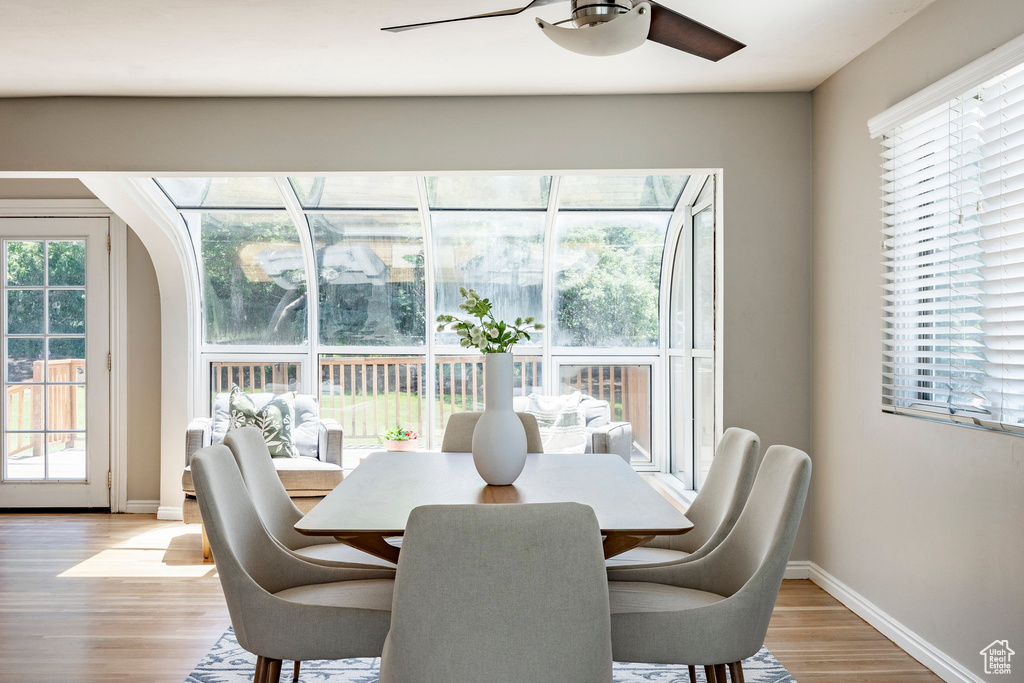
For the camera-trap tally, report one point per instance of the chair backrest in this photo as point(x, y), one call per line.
point(275, 508)
point(243, 550)
point(458, 433)
point(721, 499)
point(500, 593)
point(749, 564)
point(305, 430)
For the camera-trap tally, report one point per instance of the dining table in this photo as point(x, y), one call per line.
point(373, 503)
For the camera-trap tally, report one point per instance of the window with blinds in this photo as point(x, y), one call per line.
point(953, 184)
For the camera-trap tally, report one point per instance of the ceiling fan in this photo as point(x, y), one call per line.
point(610, 27)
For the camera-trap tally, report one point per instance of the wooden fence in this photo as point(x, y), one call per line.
point(371, 394)
point(25, 408)
point(255, 377)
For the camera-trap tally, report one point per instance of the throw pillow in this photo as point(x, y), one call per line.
point(274, 420)
point(561, 421)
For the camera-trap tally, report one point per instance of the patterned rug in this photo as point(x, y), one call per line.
point(229, 663)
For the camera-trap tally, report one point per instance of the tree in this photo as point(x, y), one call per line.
point(613, 301)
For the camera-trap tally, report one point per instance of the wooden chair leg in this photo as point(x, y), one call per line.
point(709, 673)
point(273, 674)
point(295, 676)
point(720, 673)
point(261, 665)
point(693, 673)
point(206, 544)
point(736, 672)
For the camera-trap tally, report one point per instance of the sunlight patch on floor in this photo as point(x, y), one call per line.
point(171, 551)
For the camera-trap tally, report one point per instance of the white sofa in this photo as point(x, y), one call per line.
point(603, 435)
point(307, 478)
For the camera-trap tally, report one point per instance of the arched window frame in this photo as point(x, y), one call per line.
point(308, 355)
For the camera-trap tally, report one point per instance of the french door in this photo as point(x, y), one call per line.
point(56, 388)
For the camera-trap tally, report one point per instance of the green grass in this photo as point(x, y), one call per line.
point(359, 408)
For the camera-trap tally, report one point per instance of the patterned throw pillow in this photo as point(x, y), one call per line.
point(275, 420)
point(562, 423)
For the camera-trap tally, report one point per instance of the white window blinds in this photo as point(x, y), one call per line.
point(953, 184)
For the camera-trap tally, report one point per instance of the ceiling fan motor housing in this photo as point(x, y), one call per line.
point(590, 12)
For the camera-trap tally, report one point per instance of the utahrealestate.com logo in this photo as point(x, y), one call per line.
point(997, 657)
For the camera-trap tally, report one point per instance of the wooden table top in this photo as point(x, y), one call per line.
point(381, 492)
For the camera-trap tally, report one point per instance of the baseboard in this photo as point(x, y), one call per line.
point(798, 569)
point(142, 507)
point(169, 512)
point(944, 666)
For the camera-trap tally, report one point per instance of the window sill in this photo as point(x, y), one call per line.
point(671, 488)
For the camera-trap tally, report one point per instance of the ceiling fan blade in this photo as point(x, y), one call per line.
point(499, 13)
point(683, 33)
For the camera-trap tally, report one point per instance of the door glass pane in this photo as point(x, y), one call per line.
point(608, 275)
point(66, 359)
point(626, 392)
point(67, 311)
point(488, 192)
point(65, 456)
point(25, 312)
point(704, 279)
point(499, 254)
point(45, 375)
point(254, 278)
point(703, 416)
point(25, 359)
point(25, 456)
point(369, 395)
point(372, 287)
point(25, 264)
point(65, 407)
point(66, 264)
point(24, 407)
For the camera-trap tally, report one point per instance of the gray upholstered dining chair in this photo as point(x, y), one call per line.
point(500, 593)
point(713, 512)
point(714, 611)
point(281, 606)
point(278, 512)
point(458, 433)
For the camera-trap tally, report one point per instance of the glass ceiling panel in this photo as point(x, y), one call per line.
point(607, 278)
point(620, 192)
point(227, 193)
point(372, 289)
point(488, 192)
point(254, 278)
point(356, 192)
point(500, 255)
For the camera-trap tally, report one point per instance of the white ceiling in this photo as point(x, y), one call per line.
point(335, 48)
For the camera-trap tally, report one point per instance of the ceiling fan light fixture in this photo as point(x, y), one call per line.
point(623, 33)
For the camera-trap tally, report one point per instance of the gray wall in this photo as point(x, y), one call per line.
point(143, 339)
point(923, 519)
point(143, 374)
point(761, 141)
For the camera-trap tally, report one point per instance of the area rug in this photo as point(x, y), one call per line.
point(229, 663)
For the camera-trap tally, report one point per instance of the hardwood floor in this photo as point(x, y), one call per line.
point(93, 597)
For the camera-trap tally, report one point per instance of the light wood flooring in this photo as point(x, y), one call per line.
point(97, 597)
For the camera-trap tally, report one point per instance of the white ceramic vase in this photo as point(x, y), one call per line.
point(499, 440)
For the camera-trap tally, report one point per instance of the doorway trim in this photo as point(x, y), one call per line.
point(118, 309)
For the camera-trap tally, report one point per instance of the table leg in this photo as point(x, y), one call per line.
point(372, 545)
point(616, 544)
